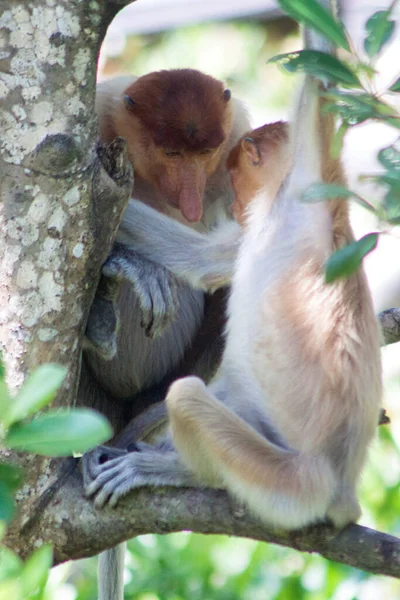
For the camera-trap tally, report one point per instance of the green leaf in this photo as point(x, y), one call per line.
point(346, 261)
point(7, 506)
point(360, 99)
point(350, 113)
point(379, 29)
point(389, 157)
point(60, 433)
point(11, 476)
point(317, 192)
point(392, 203)
point(318, 64)
point(36, 571)
point(393, 121)
point(38, 390)
point(317, 17)
point(10, 564)
point(355, 108)
point(395, 87)
point(11, 589)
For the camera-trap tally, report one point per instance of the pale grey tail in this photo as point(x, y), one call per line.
point(111, 573)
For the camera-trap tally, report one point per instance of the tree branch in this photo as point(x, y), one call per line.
point(78, 530)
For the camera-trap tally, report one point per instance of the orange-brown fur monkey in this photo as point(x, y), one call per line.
point(286, 423)
point(180, 126)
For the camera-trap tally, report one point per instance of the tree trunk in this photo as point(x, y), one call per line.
point(59, 204)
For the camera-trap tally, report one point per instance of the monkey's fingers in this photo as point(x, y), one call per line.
point(164, 303)
point(115, 479)
point(118, 476)
point(91, 461)
point(155, 287)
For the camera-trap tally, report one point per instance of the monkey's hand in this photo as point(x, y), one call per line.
point(154, 286)
point(109, 473)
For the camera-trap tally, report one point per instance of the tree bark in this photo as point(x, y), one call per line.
point(61, 199)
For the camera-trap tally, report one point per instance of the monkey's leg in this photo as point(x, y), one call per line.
point(283, 487)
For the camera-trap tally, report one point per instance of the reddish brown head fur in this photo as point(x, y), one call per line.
point(182, 109)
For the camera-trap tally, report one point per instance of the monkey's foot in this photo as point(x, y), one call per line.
point(154, 286)
point(110, 474)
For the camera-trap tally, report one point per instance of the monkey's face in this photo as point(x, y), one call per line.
point(178, 175)
point(181, 178)
point(182, 120)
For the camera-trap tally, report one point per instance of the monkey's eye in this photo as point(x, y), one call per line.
point(205, 151)
point(172, 152)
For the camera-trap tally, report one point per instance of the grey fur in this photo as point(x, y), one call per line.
point(110, 573)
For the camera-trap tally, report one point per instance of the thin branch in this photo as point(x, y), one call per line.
point(390, 323)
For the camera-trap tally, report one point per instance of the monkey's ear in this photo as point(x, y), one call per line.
point(129, 103)
point(251, 150)
point(227, 95)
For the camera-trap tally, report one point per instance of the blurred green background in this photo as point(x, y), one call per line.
point(194, 567)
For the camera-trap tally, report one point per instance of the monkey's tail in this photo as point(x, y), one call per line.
point(111, 573)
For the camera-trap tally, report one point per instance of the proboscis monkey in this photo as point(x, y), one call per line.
point(286, 423)
point(180, 126)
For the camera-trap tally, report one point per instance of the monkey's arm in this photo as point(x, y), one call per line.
point(205, 261)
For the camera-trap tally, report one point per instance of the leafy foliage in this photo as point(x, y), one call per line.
point(56, 433)
point(380, 29)
point(38, 391)
point(314, 15)
point(20, 581)
point(318, 64)
point(60, 433)
point(351, 107)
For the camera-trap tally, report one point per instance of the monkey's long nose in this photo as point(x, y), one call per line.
point(191, 208)
point(191, 195)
